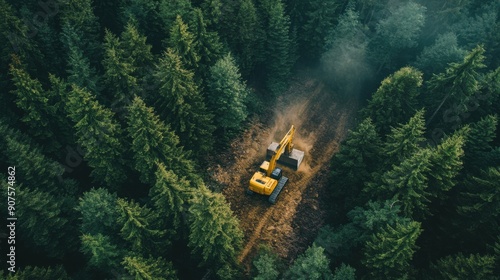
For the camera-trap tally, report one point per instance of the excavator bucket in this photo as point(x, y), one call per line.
point(293, 160)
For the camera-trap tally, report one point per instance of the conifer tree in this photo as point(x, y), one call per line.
point(212, 11)
point(38, 272)
point(215, 233)
point(80, 72)
point(169, 196)
point(278, 47)
point(149, 268)
point(99, 212)
point(313, 265)
point(207, 43)
point(182, 105)
point(182, 42)
point(136, 49)
point(226, 94)
point(168, 11)
point(266, 265)
point(320, 19)
point(405, 139)
point(389, 252)
point(153, 141)
point(248, 44)
point(353, 164)
point(118, 71)
point(478, 144)
point(396, 99)
point(99, 134)
point(458, 266)
point(101, 252)
point(344, 272)
point(138, 226)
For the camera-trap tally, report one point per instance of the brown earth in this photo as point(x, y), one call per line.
point(291, 224)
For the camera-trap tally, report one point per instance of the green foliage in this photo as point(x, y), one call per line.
point(99, 134)
point(478, 143)
point(320, 21)
point(396, 100)
point(153, 141)
point(169, 195)
point(266, 265)
point(311, 265)
point(406, 139)
point(101, 252)
point(226, 94)
point(278, 47)
point(182, 42)
point(214, 230)
point(99, 212)
point(389, 252)
point(149, 268)
point(353, 164)
point(39, 273)
point(181, 104)
point(207, 43)
point(170, 10)
point(458, 266)
point(138, 226)
point(436, 57)
point(344, 272)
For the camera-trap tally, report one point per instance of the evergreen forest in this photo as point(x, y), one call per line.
point(114, 115)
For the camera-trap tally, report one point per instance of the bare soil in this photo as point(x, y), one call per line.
point(292, 223)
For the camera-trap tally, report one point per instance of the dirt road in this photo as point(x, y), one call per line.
point(321, 125)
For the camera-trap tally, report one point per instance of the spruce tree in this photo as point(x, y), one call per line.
point(38, 272)
point(153, 141)
point(389, 252)
point(149, 268)
point(478, 146)
point(101, 252)
point(99, 212)
point(182, 42)
point(344, 272)
point(137, 51)
point(405, 139)
point(226, 94)
point(182, 105)
point(207, 43)
point(266, 266)
point(278, 47)
point(312, 265)
point(458, 266)
point(99, 134)
point(139, 226)
point(79, 70)
point(395, 101)
point(248, 44)
point(215, 233)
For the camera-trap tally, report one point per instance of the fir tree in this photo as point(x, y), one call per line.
point(459, 266)
point(101, 252)
point(99, 212)
point(182, 105)
point(38, 272)
point(405, 139)
point(214, 230)
point(396, 99)
point(248, 43)
point(98, 133)
point(344, 272)
point(149, 268)
point(389, 252)
point(207, 43)
point(182, 42)
point(313, 265)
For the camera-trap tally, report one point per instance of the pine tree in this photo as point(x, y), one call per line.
point(478, 144)
point(207, 43)
point(459, 266)
point(42, 225)
point(353, 164)
point(98, 133)
point(277, 48)
point(396, 99)
point(389, 252)
point(169, 196)
point(170, 10)
point(138, 226)
point(212, 11)
point(182, 105)
point(118, 71)
point(446, 161)
point(79, 70)
point(405, 139)
point(136, 49)
point(149, 268)
point(99, 212)
point(312, 265)
point(153, 141)
point(37, 272)
point(38, 105)
point(182, 42)
point(215, 233)
point(407, 182)
point(226, 94)
point(344, 272)
point(101, 252)
point(248, 44)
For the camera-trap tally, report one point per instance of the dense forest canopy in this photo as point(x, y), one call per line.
point(111, 111)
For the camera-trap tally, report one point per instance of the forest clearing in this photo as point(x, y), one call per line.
point(292, 223)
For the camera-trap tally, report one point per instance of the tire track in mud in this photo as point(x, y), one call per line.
point(321, 125)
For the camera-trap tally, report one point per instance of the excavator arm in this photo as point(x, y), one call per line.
point(285, 146)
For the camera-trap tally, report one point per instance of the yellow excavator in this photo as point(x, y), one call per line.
point(269, 180)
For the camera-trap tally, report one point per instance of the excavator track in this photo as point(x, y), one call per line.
point(274, 195)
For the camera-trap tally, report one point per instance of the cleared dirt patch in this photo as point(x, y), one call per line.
point(321, 125)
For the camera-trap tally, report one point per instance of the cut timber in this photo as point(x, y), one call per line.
point(293, 160)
